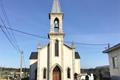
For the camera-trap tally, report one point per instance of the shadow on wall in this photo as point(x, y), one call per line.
point(115, 77)
point(33, 71)
point(26, 78)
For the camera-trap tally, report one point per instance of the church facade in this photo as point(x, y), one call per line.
point(56, 60)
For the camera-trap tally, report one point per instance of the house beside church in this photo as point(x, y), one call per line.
point(114, 61)
point(56, 60)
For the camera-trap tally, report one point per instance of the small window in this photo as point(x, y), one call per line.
point(68, 73)
point(44, 73)
point(56, 48)
point(75, 76)
point(114, 61)
point(56, 25)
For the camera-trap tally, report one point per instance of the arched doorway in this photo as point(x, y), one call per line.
point(56, 73)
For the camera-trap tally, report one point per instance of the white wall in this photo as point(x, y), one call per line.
point(42, 58)
point(115, 72)
point(65, 59)
point(77, 66)
point(55, 60)
point(68, 62)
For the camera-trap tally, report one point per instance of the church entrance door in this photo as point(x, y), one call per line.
point(56, 73)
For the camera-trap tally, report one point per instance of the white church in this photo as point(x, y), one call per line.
point(56, 60)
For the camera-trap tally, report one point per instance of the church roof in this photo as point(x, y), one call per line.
point(67, 46)
point(56, 7)
point(77, 56)
point(34, 55)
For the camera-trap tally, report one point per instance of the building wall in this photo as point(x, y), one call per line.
point(65, 59)
point(52, 18)
point(115, 72)
point(68, 62)
point(42, 62)
point(55, 60)
point(77, 66)
point(33, 67)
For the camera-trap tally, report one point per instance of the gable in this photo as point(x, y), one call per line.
point(77, 56)
point(67, 46)
point(34, 55)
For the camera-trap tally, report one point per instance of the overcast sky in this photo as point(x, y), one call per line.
point(85, 21)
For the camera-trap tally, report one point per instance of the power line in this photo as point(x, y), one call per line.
point(8, 23)
point(4, 12)
point(8, 38)
point(26, 33)
point(100, 44)
point(13, 36)
point(34, 35)
point(15, 45)
point(7, 34)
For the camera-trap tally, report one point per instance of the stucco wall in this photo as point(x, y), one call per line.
point(115, 72)
point(65, 59)
point(68, 62)
point(77, 66)
point(42, 58)
point(52, 18)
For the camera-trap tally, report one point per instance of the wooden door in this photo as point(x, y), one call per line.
point(56, 73)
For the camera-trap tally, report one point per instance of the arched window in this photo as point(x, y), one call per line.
point(68, 73)
point(75, 76)
point(56, 25)
point(56, 48)
point(44, 73)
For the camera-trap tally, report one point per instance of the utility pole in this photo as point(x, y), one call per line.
point(0, 72)
point(21, 63)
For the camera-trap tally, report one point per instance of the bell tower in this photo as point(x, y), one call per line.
point(56, 17)
point(56, 36)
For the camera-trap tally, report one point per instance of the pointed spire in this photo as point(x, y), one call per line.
point(73, 45)
point(56, 7)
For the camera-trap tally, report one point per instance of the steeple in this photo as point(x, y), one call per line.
point(56, 17)
point(56, 7)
